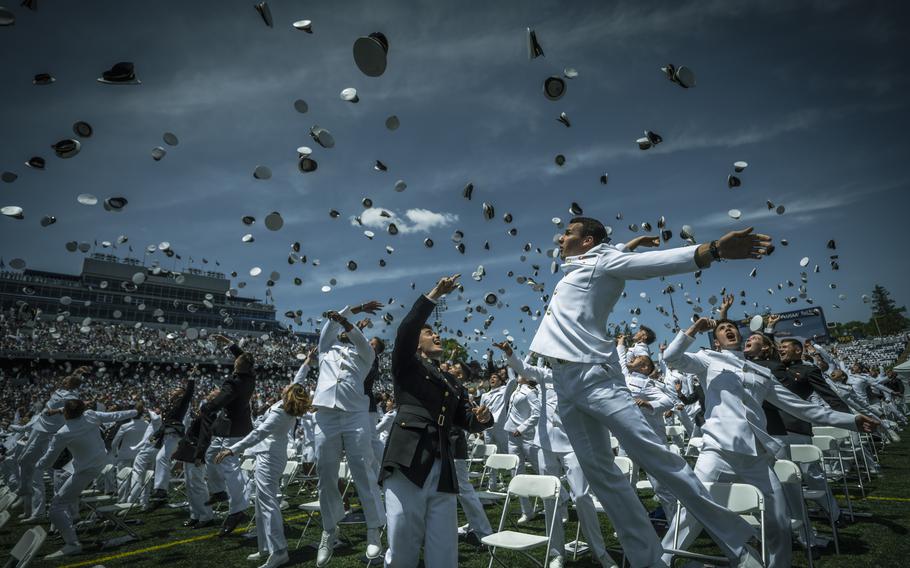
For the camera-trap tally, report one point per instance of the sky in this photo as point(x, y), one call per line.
point(810, 94)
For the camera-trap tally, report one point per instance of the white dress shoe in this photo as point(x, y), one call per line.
point(526, 518)
point(374, 543)
point(556, 562)
point(749, 559)
point(257, 556)
point(67, 550)
point(326, 549)
point(276, 559)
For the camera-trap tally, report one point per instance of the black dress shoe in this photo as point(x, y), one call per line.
point(204, 524)
point(231, 522)
point(191, 523)
point(217, 498)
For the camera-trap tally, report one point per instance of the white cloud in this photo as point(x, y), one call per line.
point(414, 220)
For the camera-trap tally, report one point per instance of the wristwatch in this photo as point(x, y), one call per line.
point(715, 252)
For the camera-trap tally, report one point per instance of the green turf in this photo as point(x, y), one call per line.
point(881, 541)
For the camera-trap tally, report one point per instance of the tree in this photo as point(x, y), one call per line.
point(454, 351)
point(887, 318)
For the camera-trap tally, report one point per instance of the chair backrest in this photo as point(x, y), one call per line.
point(489, 450)
point(28, 545)
point(248, 465)
point(738, 497)
point(4, 518)
point(502, 461)
point(614, 442)
point(696, 442)
point(6, 501)
point(343, 471)
point(836, 433)
point(825, 443)
point(290, 469)
point(788, 472)
point(124, 473)
point(673, 431)
point(625, 466)
point(805, 453)
point(675, 449)
point(540, 486)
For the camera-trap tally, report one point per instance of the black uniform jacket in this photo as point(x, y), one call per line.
point(802, 379)
point(432, 405)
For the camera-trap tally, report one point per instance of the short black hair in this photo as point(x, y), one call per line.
point(650, 337)
point(725, 320)
point(793, 341)
point(591, 228)
point(73, 408)
point(380, 344)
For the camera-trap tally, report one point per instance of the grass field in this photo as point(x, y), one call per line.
point(882, 540)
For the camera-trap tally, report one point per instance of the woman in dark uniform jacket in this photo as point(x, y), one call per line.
point(418, 467)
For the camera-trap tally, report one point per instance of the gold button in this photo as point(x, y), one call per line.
point(548, 312)
point(446, 394)
point(443, 408)
point(404, 423)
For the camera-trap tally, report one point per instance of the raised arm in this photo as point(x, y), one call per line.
point(362, 345)
point(105, 417)
point(408, 334)
point(304, 369)
point(525, 369)
point(676, 356)
point(621, 352)
point(272, 425)
point(781, 397)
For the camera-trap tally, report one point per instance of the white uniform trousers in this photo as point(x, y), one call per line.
point(227, 475)
point(420, 516)
point(524, 449)
point(498, 437)
point(686, 422)
point(31, 483)
point(729, 467)
point(473, 509)
point(269, 523)
point(163, 462)
point(592, 403)
point(197, 492)
point(665, 498)
point(123, 485)
point(214, 475)
point(580, 493)
point(139, 489)
point(66, 500)
point(338, 430)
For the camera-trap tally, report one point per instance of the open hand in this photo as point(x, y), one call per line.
point(743, 244)
point(445, 285)
point(482, 413)
point(222, 455)
point(370, 307)
point(504, 347)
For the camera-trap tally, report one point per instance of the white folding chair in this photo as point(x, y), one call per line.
point(543, 487)
point(24, 551)
point(741, 498)
point(831, 451)
point(789, 475)
point(676, 435)
point(693, 448)
point(6, 501)
point(4, 518)
point(501, 463)
point(810, 454)
point(846, 444)
point(312, 507)
point(479, 455)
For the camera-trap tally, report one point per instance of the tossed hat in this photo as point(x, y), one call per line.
point(265, 12)
point(733, 181)
point(158, 152)
point(304, 26)
point(7, 18)
point(307, 164)
point(66, 148)
point(48, 220)
point(575, 209)
point(488, 211)
point(468, 191)
point(560, 160)
point(400, 186)
point(9, 177)
point(739, 166)
point(13, 211)
point(682, 75)
point(87, 199)
point(350, 95)
point(534, 49)
point(554, 88)
point(570, 72)
point(735, 213)
point(123, 73)
point(564, 119)
point(392, 122)
point(273, 221)
point(82, 129)
point(380, 167)
point(352, 266)
point(428, 242)
point(371, 54)
point(170, 139)
point(43, 79)
point(115, 203)
point(301, 106)
point(35, 162)
point(262, 172)
point(322, 136)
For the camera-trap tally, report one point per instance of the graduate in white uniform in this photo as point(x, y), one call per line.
point(594, 399)
point(81, 435)
point(497, 401)
point(269, 442)
point(556, 456)
point(140, 491)
point(737, 446)
point(123, 450)
point(522, 415)
point(653, 402)
point(31, 486)
point(343, 424)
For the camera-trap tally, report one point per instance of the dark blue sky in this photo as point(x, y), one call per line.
point(811, 94)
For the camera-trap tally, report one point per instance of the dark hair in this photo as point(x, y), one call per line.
point(650, 337)
point(73, 408)
point(380, 344)
point(793, 341)
point(427, 326)
point(725, 320)
point(591, 228)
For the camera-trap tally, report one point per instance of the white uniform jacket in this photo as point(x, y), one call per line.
point(734, 391)
point(51, 424)
point(574, 327)
point(273, 433)
point(153, 426)
point(83, 438)
point(343, 367)
point(128, 436)
point(644, 388)
point(524, 412)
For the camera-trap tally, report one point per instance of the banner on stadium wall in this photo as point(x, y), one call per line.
point(807, 323)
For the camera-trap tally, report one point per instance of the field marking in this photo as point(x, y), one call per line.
point(904, 499)
point(161, 546)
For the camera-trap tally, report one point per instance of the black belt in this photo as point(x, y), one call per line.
point(422, 412)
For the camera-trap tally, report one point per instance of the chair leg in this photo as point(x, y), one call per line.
point(306, 527)
point(846, 488)
point(807, 529)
